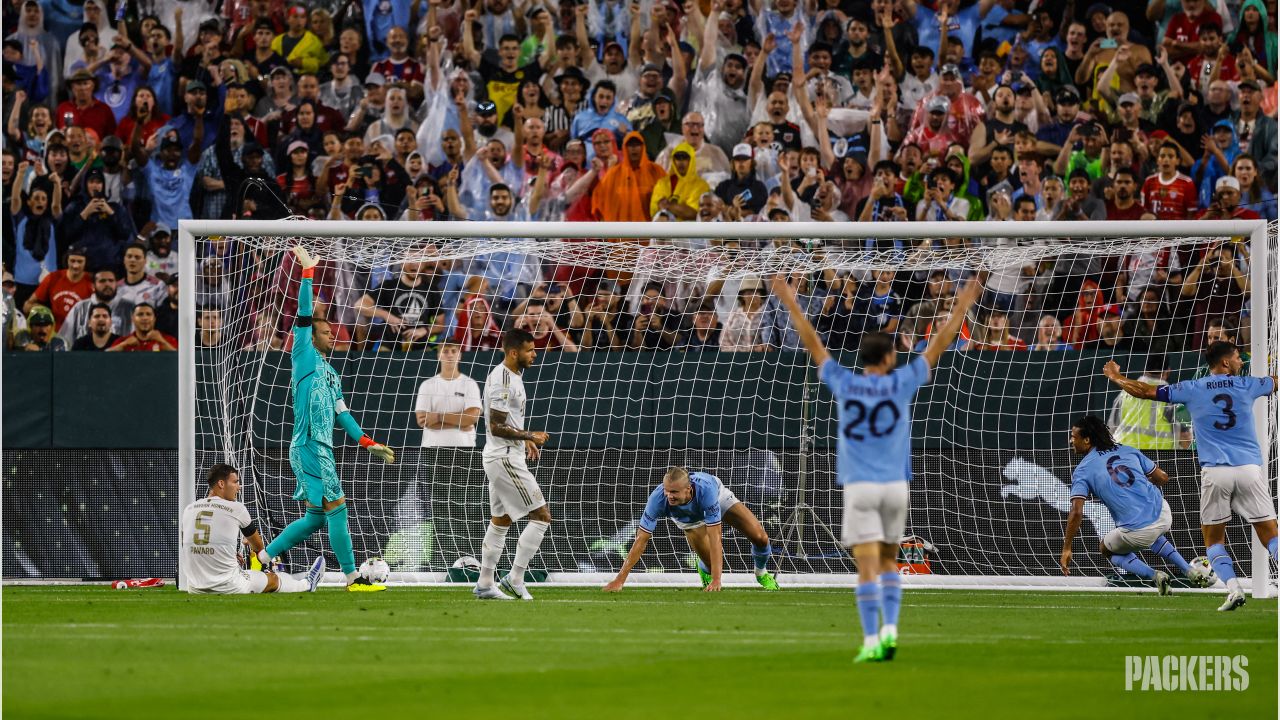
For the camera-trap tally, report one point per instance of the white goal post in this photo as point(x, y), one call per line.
point(954, 484)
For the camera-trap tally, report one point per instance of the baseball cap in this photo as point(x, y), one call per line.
point(938, 103)
point(375, 79)
point(170, 141)
point(486, 107)
point(78, 251)
point(949, 69)
point(195, 85)
point(743, 150)
point(665, 95)
point(298, 145)
point(1249, 84)
point(1097, 8)
point(1067, 95)
point(650, 67)
point(1148, 69)
point(112, 141)
point(1227, 181)
point(738, 58)
point(574, 73)
point(1128, 99)
point(160, 229)
point(251, 148)
point(40, 315)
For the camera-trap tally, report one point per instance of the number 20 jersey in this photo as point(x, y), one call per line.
point(1221, 408)
point(873, 439)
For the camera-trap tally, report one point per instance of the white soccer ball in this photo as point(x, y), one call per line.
point(466, 562)
point(375, 570)
point(1201, 573)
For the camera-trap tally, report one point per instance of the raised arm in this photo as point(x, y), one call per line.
point(943, 338)
point(710, 32)
point(633, 557)
point(1137, 389)
point(468, 39)
point(808, 335)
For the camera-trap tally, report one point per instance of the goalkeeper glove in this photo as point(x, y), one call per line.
point(378, 450)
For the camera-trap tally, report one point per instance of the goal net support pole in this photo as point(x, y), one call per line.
point(486, 237)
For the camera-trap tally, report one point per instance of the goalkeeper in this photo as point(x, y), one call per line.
point(317, 399)
point(697, 503)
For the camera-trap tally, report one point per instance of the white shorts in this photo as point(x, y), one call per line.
point(1120, 540)
point(513, 491)
point(725, 497)
point(874, 512)
point(1241, 489)
point(244, 582)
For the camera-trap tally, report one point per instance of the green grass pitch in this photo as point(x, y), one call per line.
point(93, 652)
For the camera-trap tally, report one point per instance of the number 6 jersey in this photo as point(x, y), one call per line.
point(1118, 477)
point(873, 441)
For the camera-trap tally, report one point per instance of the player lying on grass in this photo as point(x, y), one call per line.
point(873, 455)
point(317, 401)
point(211, 532)
point(1231, 479)
point(697, 503)
point(1128, 483)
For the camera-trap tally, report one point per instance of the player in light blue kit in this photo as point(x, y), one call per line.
point(873, 456)
point(1231, 478)
point(697, 503)
point(1128, 483)
point(317, 400)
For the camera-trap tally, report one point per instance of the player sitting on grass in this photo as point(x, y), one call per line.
point(1231, 479)
point(873, 455)
point(1128, 483)
point(211, 532)
point(697, 504)
point(317, 400)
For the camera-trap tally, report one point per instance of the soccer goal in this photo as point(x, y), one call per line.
point(991, 460)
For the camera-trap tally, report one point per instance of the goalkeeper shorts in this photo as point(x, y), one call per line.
point(317, 473)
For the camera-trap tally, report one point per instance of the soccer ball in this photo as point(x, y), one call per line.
point(375, 570)
point(466, 562)
point(1201, 573)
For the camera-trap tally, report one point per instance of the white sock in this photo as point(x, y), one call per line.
point(291, 584)
point(351, 576)
point(495, 541)
point(1234, 585)
point(526, 548)
point(264, 558)
point(887, 630)
point(870, 640)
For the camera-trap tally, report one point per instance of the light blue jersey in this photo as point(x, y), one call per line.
point(874, 440)
point(1118, 477)
point(703, 507)
point(1221, 408)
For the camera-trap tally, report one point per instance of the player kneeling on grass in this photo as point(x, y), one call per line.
point(211, 532)
point(697, 504)
point(1128, 483)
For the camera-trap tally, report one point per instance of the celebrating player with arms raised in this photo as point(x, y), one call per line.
point(873, 456)
point(513, 491)
point(317, 399)
point(697, 503)
point(211, 532)
point(1231, 478)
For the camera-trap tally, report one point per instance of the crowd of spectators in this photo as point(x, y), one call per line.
point(124, 117)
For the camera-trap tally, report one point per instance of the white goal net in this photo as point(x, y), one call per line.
point(670, 350)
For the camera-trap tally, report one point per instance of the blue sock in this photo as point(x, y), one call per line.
point(891, 595)
point(1166, 550)
point(869, 609)
point(340, 538)
point(1272, 546)
point(760, 557)
point(297, 532)
point(1134, 564)
point(1221, 563)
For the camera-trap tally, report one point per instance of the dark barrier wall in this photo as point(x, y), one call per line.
point(585, 400)
point(110, 514)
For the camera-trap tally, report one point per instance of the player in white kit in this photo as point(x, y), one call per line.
point(513, 491)
point(211, 532)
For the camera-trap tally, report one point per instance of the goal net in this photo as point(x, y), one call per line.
point(663, 346)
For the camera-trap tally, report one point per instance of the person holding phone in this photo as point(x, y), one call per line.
point(742, 193)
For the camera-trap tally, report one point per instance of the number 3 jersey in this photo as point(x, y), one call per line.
point(1221, 408)
point(873, 442)
point(1118, 477)
point(211, 532)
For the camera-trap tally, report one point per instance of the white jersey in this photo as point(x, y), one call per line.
point(448, 396)
point(211, 532)
point(504, 392)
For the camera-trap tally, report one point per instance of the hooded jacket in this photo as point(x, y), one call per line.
point(1263, 44)
point(687, 188)
point(1207, 173)
point(913, 191)
point(588, 121)
point(623, 194)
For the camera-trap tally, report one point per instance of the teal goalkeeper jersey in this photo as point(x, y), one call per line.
point(317, 389)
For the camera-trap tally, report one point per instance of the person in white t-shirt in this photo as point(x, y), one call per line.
point(211, 531)
point(448, 405)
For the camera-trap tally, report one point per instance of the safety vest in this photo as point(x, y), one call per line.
point(1143, 424)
